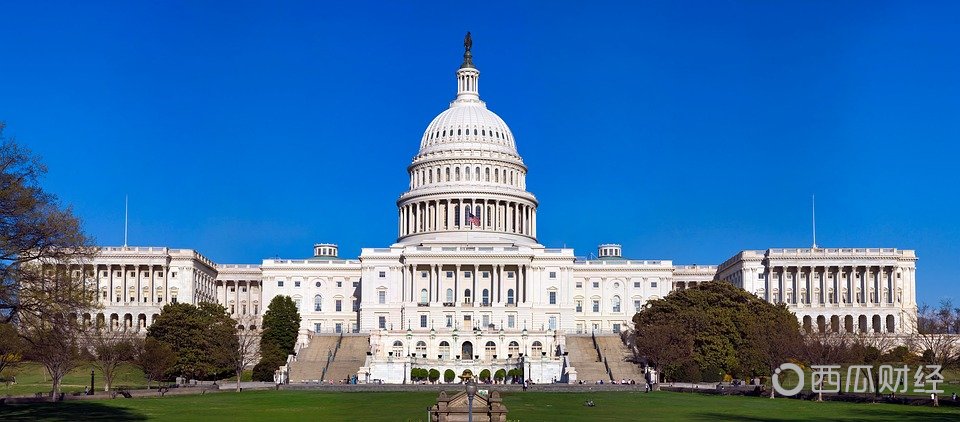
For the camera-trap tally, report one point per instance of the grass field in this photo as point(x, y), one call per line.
point(32, 378)
point(277, 406)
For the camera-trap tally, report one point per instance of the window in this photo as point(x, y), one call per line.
point(382, 322)
point(485, 297)
point(383, 274)
point(317, 303)
point(297, 303)
point(536, 349)
point(616, 328)
point(579, 284)
point(616, 285)
point(596, 284)
point(467, 274)
point(173, 298)
point(466, 296)
point(449, 274)
point(553, 298)
point(233, 289)
point(637, 304)
point(596, 305)
point(509, 296)
point(511, 321)
point(616, 303)
point(339, 284)
point(338, 305)
point(449, 295)
point(486, 321)
point(636, 284)
point(653, 284)
point(423, 321)
point(552, 323)
point(513, 349)
point(509, 274)
point(421, 348)
point(316, 327)
point(356, 284)
point(381, 297)
point(338, 327)
point(317, 284)
point(296, 284)
point(354, 305)
point(423, 274)
point(449, 321)
point(444, 350)
point(397, 348)
point(423, 296)
point(279, 283)
point(579, 305)
point(553, 274)
point(485, 274)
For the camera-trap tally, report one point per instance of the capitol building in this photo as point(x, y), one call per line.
point(467, 286)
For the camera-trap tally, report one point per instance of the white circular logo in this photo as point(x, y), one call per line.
point(776, 379)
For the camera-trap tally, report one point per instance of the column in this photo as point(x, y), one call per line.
point(473, 279)
point(436, 269)
point(456, 286)
point(498, 272)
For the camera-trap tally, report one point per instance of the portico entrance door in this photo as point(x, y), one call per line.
point(467, 350)
point(467, 323)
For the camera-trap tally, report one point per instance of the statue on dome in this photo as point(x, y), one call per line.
point(467, 42)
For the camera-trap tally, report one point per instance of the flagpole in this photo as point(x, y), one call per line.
point(814, 211)
point(126, 215)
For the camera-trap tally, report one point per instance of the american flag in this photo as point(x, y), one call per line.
point(472, 219)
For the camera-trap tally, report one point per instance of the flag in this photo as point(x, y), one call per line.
point(472, 219)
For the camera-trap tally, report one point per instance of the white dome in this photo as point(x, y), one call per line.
point(468, 127)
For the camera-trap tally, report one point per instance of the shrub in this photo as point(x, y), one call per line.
point(485, 375)
point(500, 375)
point(449, 375)
point(434, 375)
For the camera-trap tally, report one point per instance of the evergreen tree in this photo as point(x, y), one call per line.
point(201, 337)
point(281, 325)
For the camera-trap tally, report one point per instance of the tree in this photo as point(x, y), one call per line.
point(485, 375)
point(154, 357)
point(937, 333)
point(500, 375)
point(278, 336)
point(449, 375)
point(108, 349)
point(202, 337)
point(11, 347)
point(246, 350)
point(825, 348)
point(715, 329)
point(434, 375)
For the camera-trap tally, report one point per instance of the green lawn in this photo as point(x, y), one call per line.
point(32, 378)
point(410, 406)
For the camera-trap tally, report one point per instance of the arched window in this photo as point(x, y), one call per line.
point(496, 175)
point(444, 350)
point(616, 304)
point(449, 295)
point(423, 296)
point(536, 348)
point(456, 173)
point(477, 214)
point(317, 303)
point(490, 349)
point(466, 296)
point(448, 174)
point(398, 348)
point(456, 215)
point(509, 296)
point(467, 174)
point(421, 348)
point(513, 349)
point(487, 174)
point(485, 297)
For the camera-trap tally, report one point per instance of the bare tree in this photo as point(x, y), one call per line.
point(108, 349)
point(825, 348)
point(938, 333)
point(153, 357)
point(247, 350)
point(11, 347)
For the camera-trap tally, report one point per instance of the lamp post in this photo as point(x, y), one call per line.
point(471, 391)
point(91, 380)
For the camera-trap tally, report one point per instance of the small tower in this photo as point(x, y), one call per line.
point(609, 250)
point(324, 250)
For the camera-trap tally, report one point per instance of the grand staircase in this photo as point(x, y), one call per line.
point(312, 359)
point(585, 359)
point(351, 356)
point(618, 357)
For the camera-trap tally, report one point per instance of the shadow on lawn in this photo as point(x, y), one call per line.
point(69, 411)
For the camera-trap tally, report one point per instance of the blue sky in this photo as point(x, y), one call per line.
point(683, 130)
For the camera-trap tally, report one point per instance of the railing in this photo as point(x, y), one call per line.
point(607, 366)
point(331, 356)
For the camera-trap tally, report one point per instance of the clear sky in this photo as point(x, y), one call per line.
point(682, 130)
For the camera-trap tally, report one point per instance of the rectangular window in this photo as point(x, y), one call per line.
point(486, 321)
point(279, 283)
point(296, 284)
point(423, 321)
point(338, 327)
point(338, 305)
point(382, 322)
point(579, 284)
point(553, 274)
point(467, 274)
point(596, 306)
point(485, 274)
point(382, 297)
point(339, 284)
point(316, 327)
point(553, 298)
point(596, 284)
point(552, 323)
point(579, 306)
point(449, 321)
point(383, 274)
point(449, 274)
point(511, 321)
point(509, 274)
point(232, 289)
point(637, 304)
point(423, 274)
point(653, 284)
point(636, 284)
point(616, 328)
point(356, 284)
point(355, 306)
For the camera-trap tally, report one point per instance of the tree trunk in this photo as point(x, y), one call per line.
point(238, 380)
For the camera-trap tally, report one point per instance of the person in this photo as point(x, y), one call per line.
point(954, 397)
point(524, 385)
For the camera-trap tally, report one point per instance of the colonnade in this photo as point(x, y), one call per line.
point(497, 289)
point(136, 284)
point(238, 296)
point(468, 214)
point(862, 323)
point(835, 285)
